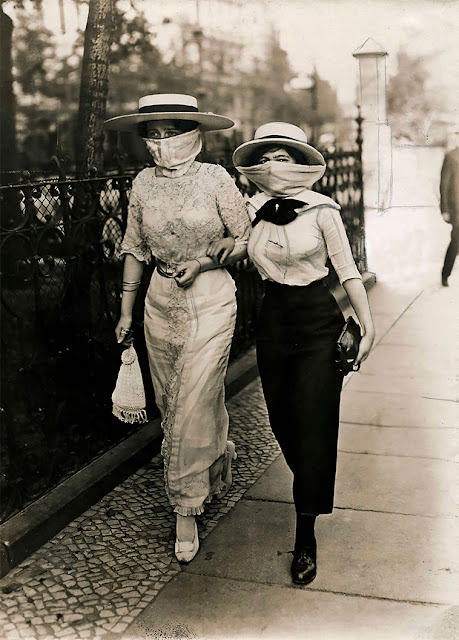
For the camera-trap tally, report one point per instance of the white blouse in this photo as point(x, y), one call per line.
point(296, 253)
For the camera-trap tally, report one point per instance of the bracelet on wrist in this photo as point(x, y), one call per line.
point(199, 263)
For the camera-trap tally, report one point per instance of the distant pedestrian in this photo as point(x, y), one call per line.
point(294, 231)
point(449, 204)
point(191, 218)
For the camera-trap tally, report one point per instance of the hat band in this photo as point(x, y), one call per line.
point(278, 136)
point(167, 108)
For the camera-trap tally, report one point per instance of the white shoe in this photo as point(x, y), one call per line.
point(186, 551)
point(227, 476)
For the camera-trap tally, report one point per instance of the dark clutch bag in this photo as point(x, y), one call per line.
point(348, 346)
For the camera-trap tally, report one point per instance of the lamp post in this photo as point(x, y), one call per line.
point(309, 83)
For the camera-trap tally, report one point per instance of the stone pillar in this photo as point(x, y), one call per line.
point(377, 142)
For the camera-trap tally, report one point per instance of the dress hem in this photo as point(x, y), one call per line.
point(197, 511)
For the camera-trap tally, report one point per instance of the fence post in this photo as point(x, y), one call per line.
point(377, 143)
point(63, 188)
point(360, 187)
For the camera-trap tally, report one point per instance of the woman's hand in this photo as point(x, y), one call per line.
point(365, 347)
point(219, 250)
point(123, 330)
point(359, 301)
point(186, 273)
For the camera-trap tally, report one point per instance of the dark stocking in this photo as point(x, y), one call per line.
point(304, 538)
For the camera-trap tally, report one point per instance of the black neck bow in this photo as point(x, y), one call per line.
point(278, 211)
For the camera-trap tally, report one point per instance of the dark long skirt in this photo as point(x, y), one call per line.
point(296, 345)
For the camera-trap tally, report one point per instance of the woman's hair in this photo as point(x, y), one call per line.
point(254, 158)
point(183, 125)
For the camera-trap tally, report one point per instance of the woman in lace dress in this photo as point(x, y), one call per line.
point(191, 217)
point(295, 230)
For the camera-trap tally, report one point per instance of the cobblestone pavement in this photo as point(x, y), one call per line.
point(104, 568)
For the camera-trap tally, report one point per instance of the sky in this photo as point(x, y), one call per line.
point(323, 32)
point(331, 30)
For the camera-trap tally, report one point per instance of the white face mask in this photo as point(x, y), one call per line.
point(176, 154)
point(283, 179)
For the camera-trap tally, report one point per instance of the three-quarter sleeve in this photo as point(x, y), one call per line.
point(134, 241)
point(232, 208)
point(338, 248)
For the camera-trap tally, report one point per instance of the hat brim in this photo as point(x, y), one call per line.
point(243, 153)
point(206, 121)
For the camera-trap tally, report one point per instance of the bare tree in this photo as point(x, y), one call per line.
point(94, 85)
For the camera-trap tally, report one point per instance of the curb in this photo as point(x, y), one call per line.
point(28, 530)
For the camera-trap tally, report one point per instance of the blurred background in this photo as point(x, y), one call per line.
point(254, 61)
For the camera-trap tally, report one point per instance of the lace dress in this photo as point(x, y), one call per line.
point(188, 331)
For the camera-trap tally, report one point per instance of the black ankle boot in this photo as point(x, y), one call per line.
point(304, 565)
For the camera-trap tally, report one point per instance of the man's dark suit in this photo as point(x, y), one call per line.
point(449, 203)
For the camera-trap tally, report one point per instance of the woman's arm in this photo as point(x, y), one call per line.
point(359, 301)
point(192, 268)
point(339, 251)
point(136, 251)
point(226, 251)
point(132, 275)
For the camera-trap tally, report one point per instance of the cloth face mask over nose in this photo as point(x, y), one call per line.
point(175, 155)
point(283, 179)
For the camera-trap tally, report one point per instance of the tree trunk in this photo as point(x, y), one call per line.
point(7, 99)
point(94, 86)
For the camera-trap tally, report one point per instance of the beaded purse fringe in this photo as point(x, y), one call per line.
point(129, 396)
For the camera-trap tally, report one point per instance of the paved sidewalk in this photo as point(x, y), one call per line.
point(106, 566)
point(387, 562)
point(387, 566)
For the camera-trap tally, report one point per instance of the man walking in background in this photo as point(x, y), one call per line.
point(449, 203)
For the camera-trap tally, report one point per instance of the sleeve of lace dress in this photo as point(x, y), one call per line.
point(134, 241)
point(232, 208)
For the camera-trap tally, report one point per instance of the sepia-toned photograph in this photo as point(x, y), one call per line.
point(229, 319)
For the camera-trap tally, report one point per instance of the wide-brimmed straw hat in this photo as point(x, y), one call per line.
point(169, 106)
point(278, 133)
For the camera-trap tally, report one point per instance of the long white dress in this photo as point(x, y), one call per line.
point(188, 331)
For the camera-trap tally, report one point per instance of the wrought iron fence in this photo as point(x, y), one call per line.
point(61, 275)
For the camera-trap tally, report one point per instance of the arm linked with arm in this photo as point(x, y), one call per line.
point(233, 213)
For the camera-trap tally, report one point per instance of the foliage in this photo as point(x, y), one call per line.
point(409, 101)
point(47, 84)
point(133, 60)
point(46, 88)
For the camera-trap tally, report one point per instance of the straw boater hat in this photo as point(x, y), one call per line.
point(169, 106)
point(279, 133)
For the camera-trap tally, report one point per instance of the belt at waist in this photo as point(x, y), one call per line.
point(166, 269)
point(272, 284)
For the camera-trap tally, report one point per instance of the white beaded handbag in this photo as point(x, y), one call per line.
point(129, 396)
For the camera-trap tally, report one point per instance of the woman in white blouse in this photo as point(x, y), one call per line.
point(191, 218)
point(294, 231)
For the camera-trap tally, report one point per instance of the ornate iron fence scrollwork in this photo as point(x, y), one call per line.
point(61, 278)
